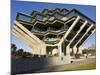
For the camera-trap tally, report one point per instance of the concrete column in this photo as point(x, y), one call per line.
point(43, 49)
point(80, 49)
point(23, 39)
point(89, 36)
point(67, 33)
point(36, 48)
point(69, 30)
point(75, 49)
point(68, 49)
point(29, 36)
point(72, 52)
point(60, 50)
point(28, 32)
point(82, 37)
point(84, 24)
point(86, 40)
point(24, 35)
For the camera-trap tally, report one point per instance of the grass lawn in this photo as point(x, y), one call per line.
point(83, 67)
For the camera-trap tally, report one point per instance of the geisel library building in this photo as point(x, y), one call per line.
point(54, 33)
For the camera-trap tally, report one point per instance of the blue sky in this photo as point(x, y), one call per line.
point(27, 7)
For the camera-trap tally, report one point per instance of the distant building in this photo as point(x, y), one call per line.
point(54, 32)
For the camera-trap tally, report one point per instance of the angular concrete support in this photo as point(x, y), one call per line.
point(37, 49)
point(60, 50)
point(89, 36)
point(67, 33)
point(78, 32)
point(80, 50)
point(23, 39)
point(68, 50)
point(82, 38)
point(28, 32)
point(42, 49)
point(24, 35)
point(35, 43)
point(69, 30)
point(75, 49)
point(28, 41)
point(85, 40)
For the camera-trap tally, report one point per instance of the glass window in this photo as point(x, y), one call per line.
point(58, 16)
point(24, 18)
point(76, 13)
point(38, 17)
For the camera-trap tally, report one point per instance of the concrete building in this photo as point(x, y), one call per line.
point(56, 32)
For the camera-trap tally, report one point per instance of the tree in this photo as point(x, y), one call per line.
point(27, 54)
point(20, 52)
point(13, 47)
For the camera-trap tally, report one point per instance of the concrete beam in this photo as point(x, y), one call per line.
point(85, 41)
point(40, 46)
point(60, 50)
point(84, 24)
point(66, 34)
point(35, 48)
point(69, 30)
point(22, 38)
point(75, 48)
point(28, 32)
point(25, 35)
point(89, 36)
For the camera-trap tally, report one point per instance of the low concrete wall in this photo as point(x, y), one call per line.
point(26, 65)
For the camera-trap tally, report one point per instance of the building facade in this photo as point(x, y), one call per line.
point(55, 32)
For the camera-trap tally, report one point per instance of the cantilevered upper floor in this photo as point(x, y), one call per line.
point(51, 25)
